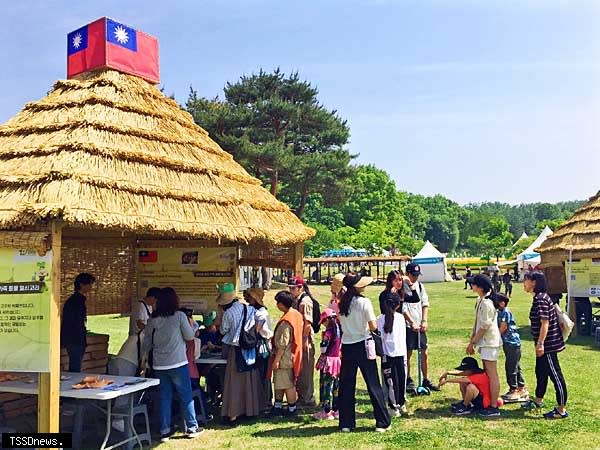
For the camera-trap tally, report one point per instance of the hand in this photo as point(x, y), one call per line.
point(210, 345)
point(424, 327)
point(416, 328)
point(539, 350)
point(443, 377)
point(470, 349)
point(275, 365)
point(442, 382)
point(406, 280)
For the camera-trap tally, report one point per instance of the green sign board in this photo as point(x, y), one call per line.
point(25, 288)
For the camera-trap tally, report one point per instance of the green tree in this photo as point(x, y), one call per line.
point(495, 239)
point(552, 223)
point(276, 128)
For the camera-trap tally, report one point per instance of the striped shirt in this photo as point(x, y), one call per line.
point(542, 308)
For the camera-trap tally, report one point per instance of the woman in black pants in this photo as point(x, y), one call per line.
point(357, 318)
point(548, 343)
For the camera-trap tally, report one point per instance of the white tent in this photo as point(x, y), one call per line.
point(523, 236)
point(433, 264)
point(529, 257)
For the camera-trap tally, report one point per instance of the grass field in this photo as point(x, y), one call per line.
point(429, 424)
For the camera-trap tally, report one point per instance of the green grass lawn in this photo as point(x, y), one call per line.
point(429, 423)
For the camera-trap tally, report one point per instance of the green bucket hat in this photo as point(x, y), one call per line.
point(226, 293)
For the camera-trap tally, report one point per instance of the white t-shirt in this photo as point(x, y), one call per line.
point(139, 312)
point(355, 326)
point(415, 310)
point(129, 351)
point(262, 318)
point(394, 343)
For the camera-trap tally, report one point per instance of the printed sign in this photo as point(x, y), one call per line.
point(25, 288)
point(193, 273)
point(585, 277)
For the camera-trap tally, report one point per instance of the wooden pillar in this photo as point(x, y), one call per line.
point(298, 258)
point(377, 265)
point(49, 382)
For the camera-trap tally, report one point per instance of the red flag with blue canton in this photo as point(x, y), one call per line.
point(106, 43)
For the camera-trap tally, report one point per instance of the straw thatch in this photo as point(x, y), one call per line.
point(580, 233)
point(110, 151)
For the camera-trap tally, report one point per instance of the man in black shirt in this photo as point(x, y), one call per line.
point(74, 317)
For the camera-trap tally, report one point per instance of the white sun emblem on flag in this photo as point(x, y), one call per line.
point(77, 40)
point(121, 35)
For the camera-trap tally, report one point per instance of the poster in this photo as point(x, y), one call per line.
point(585, 277)
point(25, 289)
point(192, 272)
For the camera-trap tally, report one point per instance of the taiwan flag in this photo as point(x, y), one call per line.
point(107, 43)
point(148, 256)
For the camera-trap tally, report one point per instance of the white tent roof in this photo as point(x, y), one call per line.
point(428, 251)
point(524, 236)
point(539, 240)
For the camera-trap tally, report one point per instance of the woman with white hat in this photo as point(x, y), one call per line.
point(357, 320)
point(241, 389)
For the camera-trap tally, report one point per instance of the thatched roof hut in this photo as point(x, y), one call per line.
point(115, 160)
point(580, 234)
point(110, 151)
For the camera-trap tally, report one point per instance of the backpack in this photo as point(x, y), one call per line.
point(248, 339)
point(316, 315)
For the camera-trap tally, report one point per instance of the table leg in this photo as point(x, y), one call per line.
point(132, 427)
point(108, 424)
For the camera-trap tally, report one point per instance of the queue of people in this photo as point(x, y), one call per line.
point(266, 365)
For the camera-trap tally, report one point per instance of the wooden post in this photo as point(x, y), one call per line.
point(298, 257)
point(49, 382)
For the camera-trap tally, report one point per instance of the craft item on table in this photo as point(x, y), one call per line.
point(15, 377)
point(92, 383)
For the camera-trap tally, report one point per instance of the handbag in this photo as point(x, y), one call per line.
point(264, 348)
point(245, 359)
point(378, 343)
point(565, 322)
point(247, 339)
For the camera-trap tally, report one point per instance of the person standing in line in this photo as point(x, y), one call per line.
point(549, 342)
point(73, 331)
point(507, 280)
point(168, 331)
point(241, 390)
point(286, 358)
point(485, 337)
point(394, 348)
point(304, 301)
point(255, 297)
point(416, 315)
point(357, 320)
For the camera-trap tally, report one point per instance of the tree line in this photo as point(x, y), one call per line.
point(276, 128)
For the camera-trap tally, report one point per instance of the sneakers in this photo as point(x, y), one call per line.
point(382, 430)
point(336, 415)
point(394, 412)
point(410, 386)
point(191, 434)
point(489, 412)
point(531, 404)
point(345, 430)
point(429, 385)
point(276, 412)
point(512, 396)
point(403, 409)
point(456, 405)
point(523, 394)
point(290, 413)
point(166, 436)
point(555, 414)
point(462, 410)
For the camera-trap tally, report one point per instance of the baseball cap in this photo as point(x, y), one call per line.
point(469, 363)
point(296, 281)
point(413, 269)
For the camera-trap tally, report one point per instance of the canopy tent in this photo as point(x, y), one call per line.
point(105, 162)
point(523, 236)
point(433, 264)
point(529, 257)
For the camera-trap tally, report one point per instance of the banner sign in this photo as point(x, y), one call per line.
point(585, 277)
point(25, 288)
point(193, 273)
point(435, 260)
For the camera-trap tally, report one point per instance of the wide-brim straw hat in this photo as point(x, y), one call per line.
point(337, 283)
point(257, 294)
point(363, 282)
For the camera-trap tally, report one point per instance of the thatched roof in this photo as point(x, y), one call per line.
point(581, 231)
point(110, 151)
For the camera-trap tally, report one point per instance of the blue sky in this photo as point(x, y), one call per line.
point(477, 100)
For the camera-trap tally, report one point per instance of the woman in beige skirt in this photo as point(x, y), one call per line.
point(241, 391)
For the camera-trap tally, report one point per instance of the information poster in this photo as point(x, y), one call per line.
point(25, 289)
point(192, 272)
point(585, 277)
